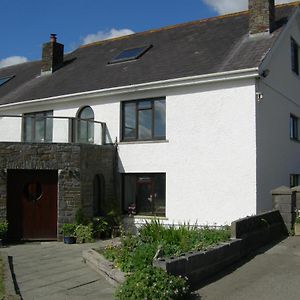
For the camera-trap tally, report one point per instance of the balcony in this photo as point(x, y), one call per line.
point(52, 129)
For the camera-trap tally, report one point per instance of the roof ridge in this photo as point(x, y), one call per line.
point(296, 3)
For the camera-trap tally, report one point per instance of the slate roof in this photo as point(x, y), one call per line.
point(206, 46)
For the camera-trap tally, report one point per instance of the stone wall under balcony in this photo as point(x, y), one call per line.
point(77, 165)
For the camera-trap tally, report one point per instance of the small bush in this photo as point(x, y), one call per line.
point(84, 233)
point(100, 226)
point(153, 283)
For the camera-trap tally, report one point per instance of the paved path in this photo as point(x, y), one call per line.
point(55, 271)
point(273, 274)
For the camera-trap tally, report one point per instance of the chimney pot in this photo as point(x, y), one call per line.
point(53, 38)
point(261, 16)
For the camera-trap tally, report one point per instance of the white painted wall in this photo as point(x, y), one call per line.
point(277, 155)
point(210, 156)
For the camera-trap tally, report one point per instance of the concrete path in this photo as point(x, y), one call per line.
point(55, 271)
point(273, 273)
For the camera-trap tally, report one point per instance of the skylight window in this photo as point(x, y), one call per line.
point(130, 54)
point(5, 79)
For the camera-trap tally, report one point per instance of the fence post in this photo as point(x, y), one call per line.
point(283, 201)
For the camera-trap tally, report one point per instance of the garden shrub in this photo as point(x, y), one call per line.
point(153, 283)
point(84, 233)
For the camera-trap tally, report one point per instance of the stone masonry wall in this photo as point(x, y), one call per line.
point(76, 165)
point(97, 160)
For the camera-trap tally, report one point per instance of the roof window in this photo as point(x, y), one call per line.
point(130, 54)
point(5, 79)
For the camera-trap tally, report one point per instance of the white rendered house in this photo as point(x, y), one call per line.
point(203, 116)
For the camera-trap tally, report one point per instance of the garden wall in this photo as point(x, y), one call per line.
point(247, 235)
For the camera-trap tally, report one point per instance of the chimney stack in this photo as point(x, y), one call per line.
point(261, 16)
point(52, 56)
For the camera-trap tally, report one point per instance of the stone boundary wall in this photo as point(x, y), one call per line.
point(247, 234)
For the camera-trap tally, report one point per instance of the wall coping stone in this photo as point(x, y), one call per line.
point(282, 190)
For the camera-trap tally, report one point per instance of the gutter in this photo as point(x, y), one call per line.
point(155, 85)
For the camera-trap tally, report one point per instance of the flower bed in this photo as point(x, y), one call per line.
point(135, 256)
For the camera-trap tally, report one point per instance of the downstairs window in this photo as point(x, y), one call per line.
point(146, 193)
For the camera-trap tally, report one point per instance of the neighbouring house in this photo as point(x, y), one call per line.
point(195, 122)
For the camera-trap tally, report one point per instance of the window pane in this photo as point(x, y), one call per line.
point(86, 113)
point(28, 129)
point(129, 128)
point(90, 132)
point(159, 194)
point(160, 118)
point(293, 127)
point(144, 104)
point(49, 126)
point(39, 129)
point(82, 131)
point(129, 191)
point(145, 124)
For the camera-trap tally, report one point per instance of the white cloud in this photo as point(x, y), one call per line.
point(12, 60)
point(105, 35)
point(229, 6)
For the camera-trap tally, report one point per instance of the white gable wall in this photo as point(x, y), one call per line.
point(277, 155)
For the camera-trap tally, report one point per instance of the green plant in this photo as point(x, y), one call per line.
point(68, 229)
point(297, 221)
point(3, 229)
point(100, 226)
point(84, 233)
point(153, 283)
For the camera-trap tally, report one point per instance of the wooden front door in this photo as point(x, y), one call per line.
point(32, 204)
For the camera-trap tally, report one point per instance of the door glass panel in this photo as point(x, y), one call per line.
point(39, 129)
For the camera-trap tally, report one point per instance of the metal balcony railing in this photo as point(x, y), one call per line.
point(37, 128)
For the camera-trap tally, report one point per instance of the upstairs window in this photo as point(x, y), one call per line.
point(130, 54)
point(85, 128)
point(294, 127)
point(5, 79)
point(144, 120)
point(295, 56)
point(38, 127)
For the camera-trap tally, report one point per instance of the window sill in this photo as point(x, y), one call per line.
point(295, 140)
point(143, 142)
point(141, 217)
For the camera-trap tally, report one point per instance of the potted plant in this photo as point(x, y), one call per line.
point(3, 231)
point(68, 231)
